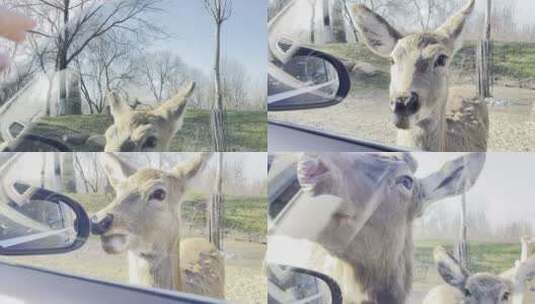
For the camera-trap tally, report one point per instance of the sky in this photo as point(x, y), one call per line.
point(244, 36)
point(505, 188)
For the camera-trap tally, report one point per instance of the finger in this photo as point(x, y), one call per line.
point(14, 26)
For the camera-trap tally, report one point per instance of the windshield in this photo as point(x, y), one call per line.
point(88, 66)
point(156, 201)
point(369, 113)
point(438, 212)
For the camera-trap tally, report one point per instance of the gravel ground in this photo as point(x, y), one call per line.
point(245, 279)
point(366, 115)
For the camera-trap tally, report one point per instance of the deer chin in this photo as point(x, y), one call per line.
point(114, 243)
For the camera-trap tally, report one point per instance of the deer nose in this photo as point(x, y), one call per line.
point(99, 227)
point(406, 104)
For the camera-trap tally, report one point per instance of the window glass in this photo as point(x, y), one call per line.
point(146, 201)
point(147, 53)
point(470, 213)
point(367, 113)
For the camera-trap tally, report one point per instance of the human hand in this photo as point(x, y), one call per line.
point(13, 26)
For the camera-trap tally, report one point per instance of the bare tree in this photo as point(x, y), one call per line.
point(235, 81)
point(163, 73)
point(220, 11)
point(107, 66)
point(73, 24)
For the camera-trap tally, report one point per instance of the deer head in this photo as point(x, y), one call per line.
point(420, 61)
point(145, 130)
point(144, 217)
point(382, 188)
point(483, 288)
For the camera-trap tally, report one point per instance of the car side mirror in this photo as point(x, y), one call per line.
point(308, 79)
point(36, 221)
point(295, 285)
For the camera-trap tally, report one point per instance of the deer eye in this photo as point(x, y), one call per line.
point(158, 195)
point(505, 296)
point(150, 143)
point(441, 61)
point(467, 293)
point(406, 181)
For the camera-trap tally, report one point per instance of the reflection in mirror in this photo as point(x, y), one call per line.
point(34, 219)
point(291, 285)
point(304, 81)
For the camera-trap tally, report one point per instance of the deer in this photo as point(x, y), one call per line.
point(144, 221)
point(371, 233)
point(427, 115)
point(463, 287)
point(145, 130)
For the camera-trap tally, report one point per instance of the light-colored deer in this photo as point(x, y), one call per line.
point(427, 116)
point(148, 130)
point(144, 219)
point(480, 288)
point(372, 231)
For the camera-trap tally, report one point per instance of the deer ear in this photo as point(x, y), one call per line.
point(172, 110)
point(455, 177)
point(453, 27)
point(116, 169)
point(378, 35)
point(118, 106)
point(524, 272)
point(449, 268)
point(192, 167)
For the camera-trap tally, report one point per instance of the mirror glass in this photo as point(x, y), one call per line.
point(304, 81)
point(288, 285)
point(34, 219)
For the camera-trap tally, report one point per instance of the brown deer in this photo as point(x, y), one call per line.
point(426, 114)
point(464, 287)
point(144, 219)
point(372, 230)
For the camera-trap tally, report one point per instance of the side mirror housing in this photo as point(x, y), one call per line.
point(36, 221)
point(308, 79)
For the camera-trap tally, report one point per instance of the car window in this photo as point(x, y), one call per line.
point(149, 54)
point(481, 223)
point(145, 217)
point(367, 113)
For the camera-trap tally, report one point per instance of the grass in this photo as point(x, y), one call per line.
point(246, 131)
point(511, 60)
point(484, 256)
point(245, 215)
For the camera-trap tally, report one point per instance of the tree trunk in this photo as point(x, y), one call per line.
point(217, 117)
point(57, 182)
point(483, 57)
point(349, 20)
point(67, 105)
point(215, 209)
point(68, 177)
point(462, 248)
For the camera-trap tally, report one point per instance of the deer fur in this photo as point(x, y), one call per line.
point(372, 231)
point(426, 114)
point(145, 130)
point(464, 287)
point(144, 220)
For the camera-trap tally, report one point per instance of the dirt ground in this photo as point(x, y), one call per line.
point(245, 279)
point(365, 115)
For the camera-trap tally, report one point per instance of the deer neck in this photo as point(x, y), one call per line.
point(159, 269)
point(428, 134)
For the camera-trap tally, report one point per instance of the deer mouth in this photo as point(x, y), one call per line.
point(114, 243)
point(402, 121)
